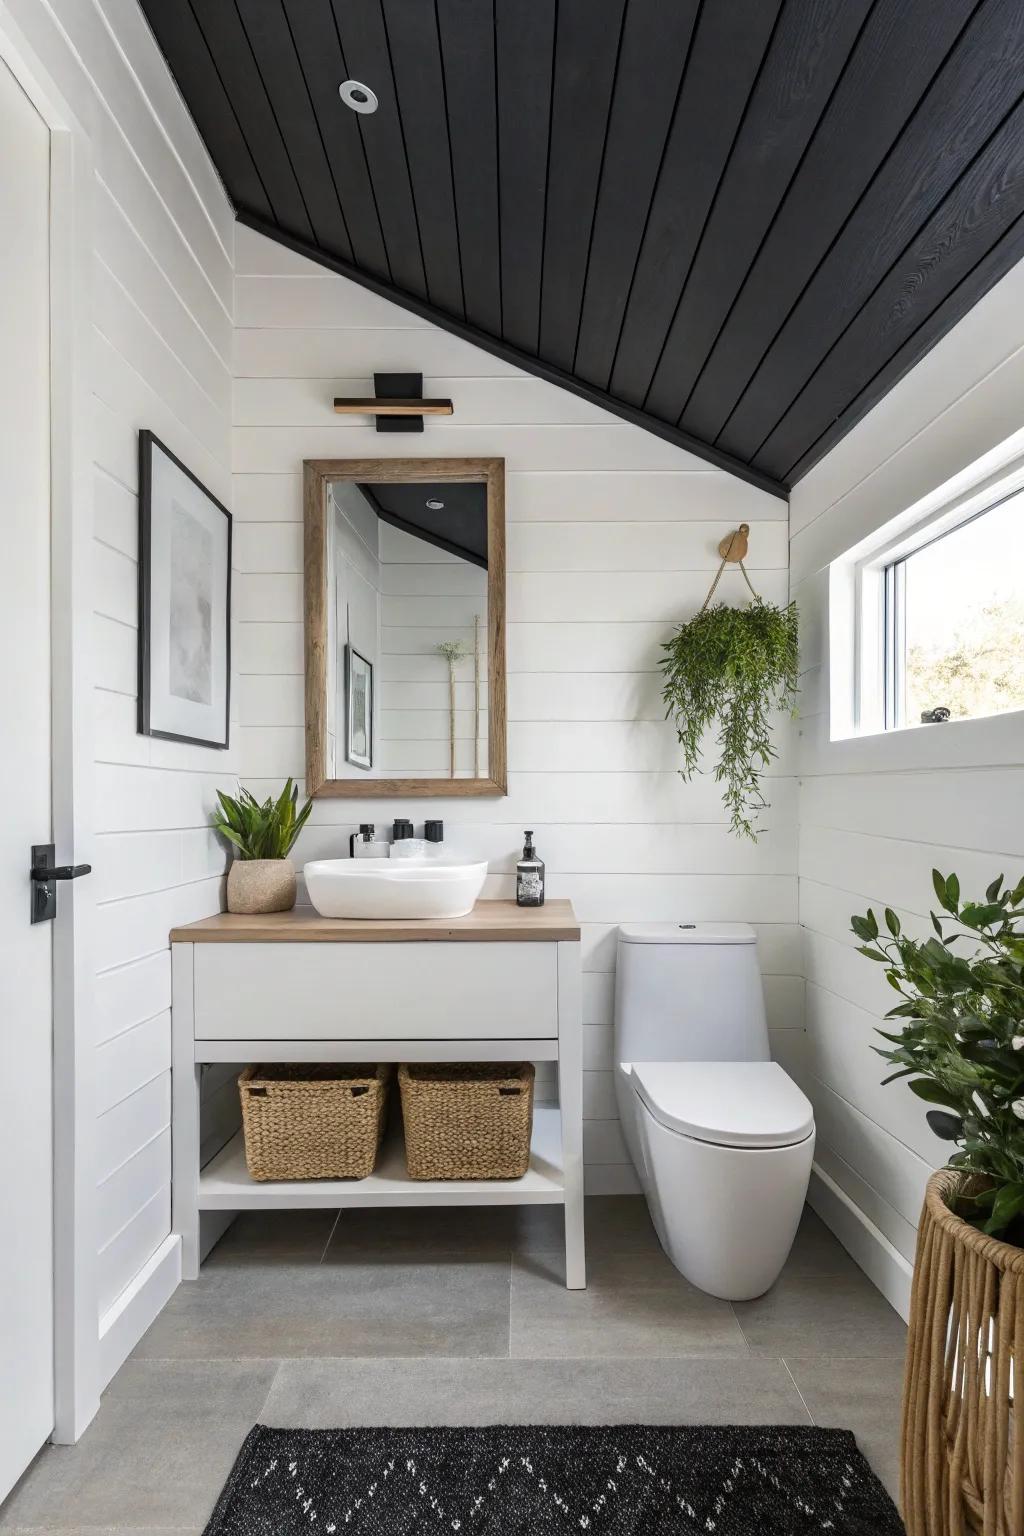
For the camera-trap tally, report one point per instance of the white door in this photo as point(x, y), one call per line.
point(26, 1129)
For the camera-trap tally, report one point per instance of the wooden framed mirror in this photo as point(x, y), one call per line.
point(404, 563)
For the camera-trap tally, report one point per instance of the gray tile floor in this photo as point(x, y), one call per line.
point(458, 1317)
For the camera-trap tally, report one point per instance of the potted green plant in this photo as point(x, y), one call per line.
point(960, 1046)
point(261, 877)
point(736, 666)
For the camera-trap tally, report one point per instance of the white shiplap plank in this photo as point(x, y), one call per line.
point(263, 650)
point(891, 870)
point(628, 595)
point(115, 655)
point(129, 1125)
point(125, 402)
point(280, 450)
point(131, 1059)
point(915, 807)
point(266, 547)
point(127, 1252)
point(115, 584)
point(115, 511)
point(138, 926)
point(134, 333)
point(203, 342)
point(312, 352)
point(132, 1184)
point(130, 799)
point(326, 301)
point(697, 494)
point(126, 995)
point(639, 546)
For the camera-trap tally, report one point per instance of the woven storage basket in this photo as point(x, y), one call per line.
point(313, 1122)
point(963, 1439)
point(467, 1120)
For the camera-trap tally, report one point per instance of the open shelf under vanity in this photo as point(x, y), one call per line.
point(225, 1185)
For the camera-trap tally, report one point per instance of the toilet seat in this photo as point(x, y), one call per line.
point(726, 1103)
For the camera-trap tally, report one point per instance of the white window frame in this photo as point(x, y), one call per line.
point(860, 587)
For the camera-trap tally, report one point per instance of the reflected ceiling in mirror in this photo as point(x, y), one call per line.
point(405, 679)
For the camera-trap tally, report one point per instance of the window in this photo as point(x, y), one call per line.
point(926, 613)
point(953, 614)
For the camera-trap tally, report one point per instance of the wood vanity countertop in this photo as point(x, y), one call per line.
point(494, 922)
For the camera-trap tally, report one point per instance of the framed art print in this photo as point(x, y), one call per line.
point(358, 709)
point(184, 602)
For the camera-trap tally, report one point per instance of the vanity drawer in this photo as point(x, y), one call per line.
point(367, 991)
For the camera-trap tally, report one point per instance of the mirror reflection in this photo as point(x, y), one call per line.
point(407, 642)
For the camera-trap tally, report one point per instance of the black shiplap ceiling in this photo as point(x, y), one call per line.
point(735, 222)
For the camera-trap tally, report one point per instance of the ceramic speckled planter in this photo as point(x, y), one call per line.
point(261, 885)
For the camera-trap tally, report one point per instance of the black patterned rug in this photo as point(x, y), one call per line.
point(616, 1481)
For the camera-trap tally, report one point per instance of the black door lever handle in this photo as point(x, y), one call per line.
point(42, 874)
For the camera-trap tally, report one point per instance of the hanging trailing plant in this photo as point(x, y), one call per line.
point(737, 667)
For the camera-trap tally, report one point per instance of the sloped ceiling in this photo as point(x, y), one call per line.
point(735, 222)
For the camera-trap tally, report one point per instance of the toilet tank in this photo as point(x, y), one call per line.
point(689, 992)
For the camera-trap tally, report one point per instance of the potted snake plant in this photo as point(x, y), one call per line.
point(262, 876)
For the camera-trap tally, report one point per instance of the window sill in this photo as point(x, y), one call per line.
point(988, 742)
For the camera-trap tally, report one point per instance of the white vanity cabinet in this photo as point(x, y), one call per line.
point(502, 984)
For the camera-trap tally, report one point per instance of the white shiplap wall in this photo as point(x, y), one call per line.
point(161, 295)
point(612, 539)
point(876, 814)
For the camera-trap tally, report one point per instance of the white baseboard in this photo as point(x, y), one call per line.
point(883, 1264)
point(123, 1324)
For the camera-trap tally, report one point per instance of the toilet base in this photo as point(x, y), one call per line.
point(725, 1216)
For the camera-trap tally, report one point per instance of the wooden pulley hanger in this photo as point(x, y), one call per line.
point(733, 550)
point(734, 546)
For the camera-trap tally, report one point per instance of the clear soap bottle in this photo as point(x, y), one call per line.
point(530, 876)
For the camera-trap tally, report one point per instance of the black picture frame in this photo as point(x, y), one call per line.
point(149, 446)
point(358, 760)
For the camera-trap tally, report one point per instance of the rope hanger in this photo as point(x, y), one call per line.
point(732, 550)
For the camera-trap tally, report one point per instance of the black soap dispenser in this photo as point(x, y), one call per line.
point(530, 876)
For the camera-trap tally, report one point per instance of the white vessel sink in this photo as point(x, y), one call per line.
point(378, 888)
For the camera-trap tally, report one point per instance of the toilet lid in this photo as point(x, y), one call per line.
point(732, 1103)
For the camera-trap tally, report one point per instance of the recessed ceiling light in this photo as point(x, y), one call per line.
point(357, 96)
point(435, 506)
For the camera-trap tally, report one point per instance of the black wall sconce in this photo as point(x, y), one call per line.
point(398, 404)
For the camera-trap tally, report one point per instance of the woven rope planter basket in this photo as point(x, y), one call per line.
point(467, 1121)
point(313, 1122)
point(963, 1452)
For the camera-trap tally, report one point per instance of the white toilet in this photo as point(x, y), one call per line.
point(721, 1138)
